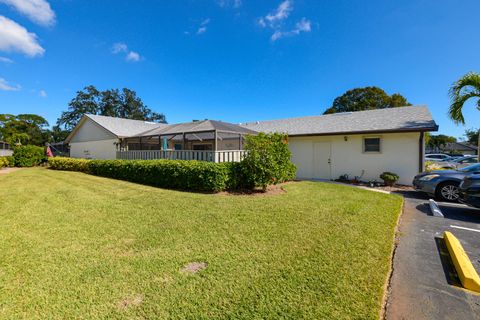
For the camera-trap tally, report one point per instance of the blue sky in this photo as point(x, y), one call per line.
point(235, 60)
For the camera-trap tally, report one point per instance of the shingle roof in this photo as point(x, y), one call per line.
point(197, 126)
point(459, 146)
point(124, 127)
point(414, 118)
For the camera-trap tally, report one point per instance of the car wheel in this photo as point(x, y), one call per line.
point(448, 191)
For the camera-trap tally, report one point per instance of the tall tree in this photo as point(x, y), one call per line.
point(113, 103)
point(472, 135)
point(466, 88)
point(23, 129)
point(368, 98)
point(439, 141)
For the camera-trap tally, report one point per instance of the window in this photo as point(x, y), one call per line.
point(371, 145)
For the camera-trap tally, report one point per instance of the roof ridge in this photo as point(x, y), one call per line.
point(335, 114)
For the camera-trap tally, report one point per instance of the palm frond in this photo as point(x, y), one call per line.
point(462, 90)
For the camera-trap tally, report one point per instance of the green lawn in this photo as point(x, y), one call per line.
point(79, 246)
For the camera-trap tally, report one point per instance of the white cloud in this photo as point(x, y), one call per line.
point(5, 86)
point(203, 26)
point(133, 56)
point(303, 25)
point(39, 11)
point(14, 37)
point(42, 94)
point(275, 21)
point(119, 47)
point(229, 3)
point(6, 60)
point(275, 17)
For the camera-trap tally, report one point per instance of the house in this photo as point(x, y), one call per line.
point(362, 144)
point(5, 149)
point(460, 147)
point(101, 137)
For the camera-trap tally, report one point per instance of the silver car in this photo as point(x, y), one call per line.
point(458, 163)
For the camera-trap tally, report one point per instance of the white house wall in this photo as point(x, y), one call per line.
point(102, 149)
point(399, 154)
point(91, 141)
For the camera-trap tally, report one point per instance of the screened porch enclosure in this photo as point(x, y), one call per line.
point(207, 140)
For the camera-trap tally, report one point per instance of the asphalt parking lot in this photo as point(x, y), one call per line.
point(424, 284)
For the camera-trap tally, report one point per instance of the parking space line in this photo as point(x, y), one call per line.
point(463, 228)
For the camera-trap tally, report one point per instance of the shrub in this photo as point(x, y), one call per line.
point(268, 160)
point(6, 162)
point(389, 178)
point(174, 174)
point(431, 165)
point(28, 156)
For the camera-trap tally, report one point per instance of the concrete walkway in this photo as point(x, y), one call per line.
point(424, 284)
point(8, 170)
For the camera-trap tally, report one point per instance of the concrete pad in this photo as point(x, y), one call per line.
point(424, 284)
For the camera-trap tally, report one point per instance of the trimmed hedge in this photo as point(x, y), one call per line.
point(173, 174)
point(267, 162)
point(28, 156)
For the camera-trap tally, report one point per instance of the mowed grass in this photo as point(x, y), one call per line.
point(78, 246)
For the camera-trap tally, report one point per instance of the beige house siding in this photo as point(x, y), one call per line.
point(102, 149)
point(91, 141)
point(399, 153)
point(91, 131)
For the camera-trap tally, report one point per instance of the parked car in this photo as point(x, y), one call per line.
point(436, 157)
point(470, 190)
point(458, 163)
point(443, 184)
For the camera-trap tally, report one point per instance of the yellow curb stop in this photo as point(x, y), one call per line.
point(465, 270)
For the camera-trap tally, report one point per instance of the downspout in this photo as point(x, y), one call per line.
point(421, 152)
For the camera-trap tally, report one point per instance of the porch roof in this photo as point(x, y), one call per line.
point(197, 127)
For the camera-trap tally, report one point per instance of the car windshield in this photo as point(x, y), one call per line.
point(472, 168)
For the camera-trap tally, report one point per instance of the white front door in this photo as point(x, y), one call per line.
point(322, 160)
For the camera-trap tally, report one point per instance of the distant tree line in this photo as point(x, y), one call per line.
point(33, 129)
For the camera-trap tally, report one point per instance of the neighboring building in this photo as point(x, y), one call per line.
point(460, 147)
point(97, 137)
point(362, 144)
point(5, 149)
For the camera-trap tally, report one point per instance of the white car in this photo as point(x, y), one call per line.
point(437, 157)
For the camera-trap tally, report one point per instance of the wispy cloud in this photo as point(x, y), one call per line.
point(6, 60)
point(229, 3)
point(276, 16)
point(39, 11)
point(131, 56)
point(203, 26)
point(14, 37)
point(275, 21)
point(119, 47)
point(42, 94)
point(303, 25)
point(6, 86)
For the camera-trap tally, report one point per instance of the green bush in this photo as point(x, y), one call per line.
point(173, 174)
point(6, 162)
point(28, 156)
point(268, 160)
point(389, 178)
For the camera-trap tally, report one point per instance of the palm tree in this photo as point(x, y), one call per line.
point(464, 89)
